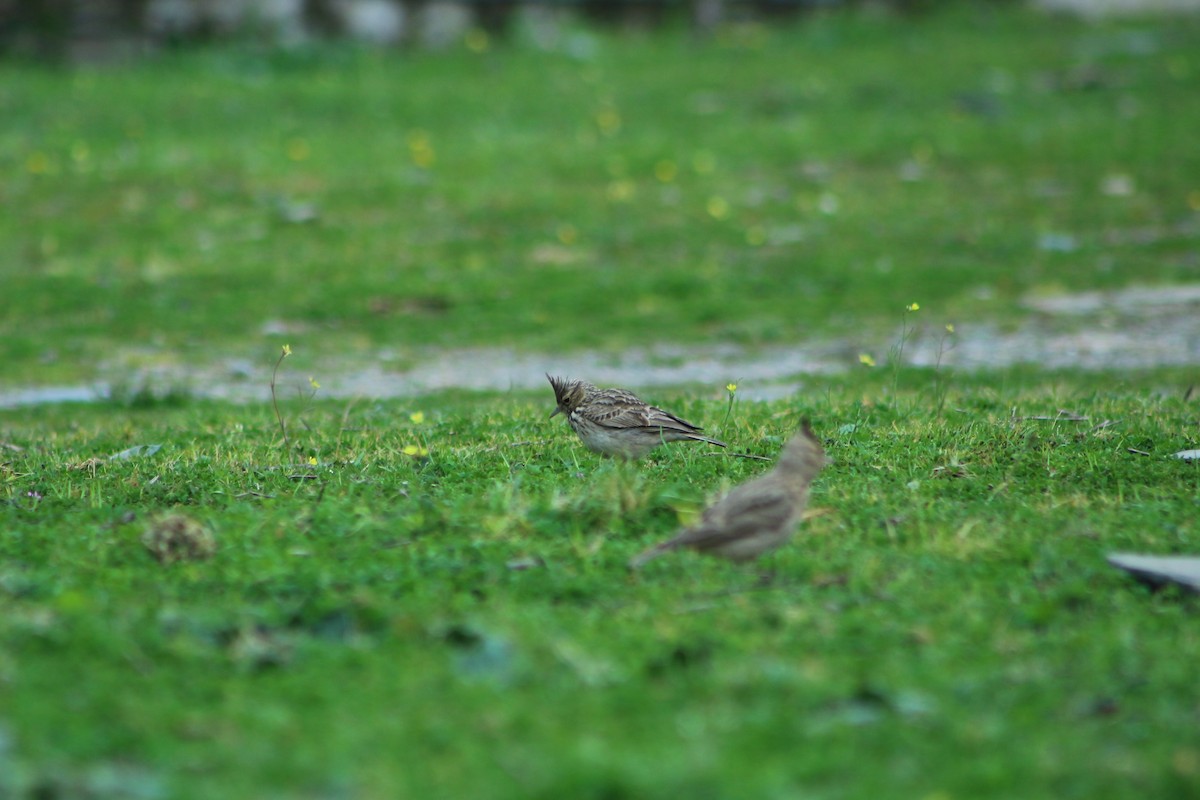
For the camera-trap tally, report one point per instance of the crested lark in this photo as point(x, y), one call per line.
point(758, 516)
point(616, 423)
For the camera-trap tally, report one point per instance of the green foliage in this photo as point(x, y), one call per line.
point(463, 623)
point(761, 185)
point(429, 598)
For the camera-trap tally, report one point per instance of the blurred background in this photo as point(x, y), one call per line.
point(91, 28)
point(98, 28)
point(441, 193)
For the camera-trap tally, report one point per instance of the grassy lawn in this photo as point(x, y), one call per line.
point(428, 597)
point(377, 624)
point(758, 187)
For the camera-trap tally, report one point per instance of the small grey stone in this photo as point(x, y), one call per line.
point(378, 22)
point(441, 23)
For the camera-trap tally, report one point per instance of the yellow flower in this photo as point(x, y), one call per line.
point(312, 460)
point(476, 40)
point(417, 417)
point(608, 120)
point(620, 191)
point(731, 387)
point(949, 327)
point(866, 360)
point(913, 307)
point(717, 207)
point(287, 350)
point(298, 150)
point(420, 149)
point(415, 450)
point(38, 164)
point(313, 382)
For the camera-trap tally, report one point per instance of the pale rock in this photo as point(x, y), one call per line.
point(442, 23)
point(379, 22)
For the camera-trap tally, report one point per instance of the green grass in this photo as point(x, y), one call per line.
point(376, 624)
point(466, 198)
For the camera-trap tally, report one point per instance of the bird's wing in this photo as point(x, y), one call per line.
point(621, 409)
point(747, 509)
point(612, 415)
point(617, 409)
point(665, 419)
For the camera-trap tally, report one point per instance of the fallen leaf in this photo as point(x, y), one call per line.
point(175, 537)
point(137, 451)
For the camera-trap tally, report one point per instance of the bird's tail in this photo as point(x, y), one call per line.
point(654, 552)
point(698, 438)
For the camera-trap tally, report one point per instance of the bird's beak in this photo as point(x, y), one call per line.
point(555, 412)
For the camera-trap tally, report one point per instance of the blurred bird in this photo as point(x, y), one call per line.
point(758, 516)
point(616, 423)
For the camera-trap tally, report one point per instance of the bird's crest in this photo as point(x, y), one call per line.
point(568, 394)
point(804, 454)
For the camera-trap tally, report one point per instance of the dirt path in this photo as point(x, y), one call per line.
point(1136, 328)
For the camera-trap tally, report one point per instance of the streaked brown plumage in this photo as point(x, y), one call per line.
point(758, 516)
point(616, 423)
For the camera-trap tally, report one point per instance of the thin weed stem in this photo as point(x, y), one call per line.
point(897, 352)
point(287, 351)
point(939, 388)
point(730, 387)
